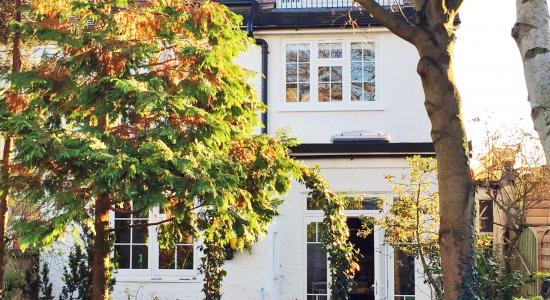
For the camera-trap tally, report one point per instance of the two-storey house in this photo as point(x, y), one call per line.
point(348, 89)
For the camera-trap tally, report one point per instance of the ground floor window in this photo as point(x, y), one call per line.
point(404, 274)
point(486, 216)
point(316, 264)
point(137, 250)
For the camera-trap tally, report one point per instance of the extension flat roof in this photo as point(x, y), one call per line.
point(357, 150)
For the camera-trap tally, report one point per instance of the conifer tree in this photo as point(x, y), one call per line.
point(143, 103)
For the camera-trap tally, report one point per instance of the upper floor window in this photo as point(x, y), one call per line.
point(333, 73)
point(297, 73)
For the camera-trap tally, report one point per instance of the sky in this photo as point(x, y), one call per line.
point(488, 69)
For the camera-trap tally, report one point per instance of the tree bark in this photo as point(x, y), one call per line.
point(101, 249)
point(455, 187)
point(6, 155)
point(433, 35)
point(532, 35)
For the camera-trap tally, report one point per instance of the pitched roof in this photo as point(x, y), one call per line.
point(318, 18)
point(268, 17)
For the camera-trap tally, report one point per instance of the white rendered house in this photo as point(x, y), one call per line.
point(348, 89)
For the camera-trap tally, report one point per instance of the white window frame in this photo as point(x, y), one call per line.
point(418, 276)
point(153, 273)
point(307, 221)
point(315, 62)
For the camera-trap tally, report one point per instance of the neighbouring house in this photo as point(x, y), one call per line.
point(348, 89)
point(514, 207)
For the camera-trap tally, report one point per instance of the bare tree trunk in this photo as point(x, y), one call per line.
point(16, 67)
point(433, 35)
point(532, 35)
point(4, 209)
point(101, 249)
point(456, 192)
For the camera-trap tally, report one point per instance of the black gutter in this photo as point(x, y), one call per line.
point(265, 52)
point(260, 42)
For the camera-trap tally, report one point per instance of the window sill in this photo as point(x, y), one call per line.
point(184, 278)
point(316, 107)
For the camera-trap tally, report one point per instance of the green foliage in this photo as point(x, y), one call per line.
point(46, 285)
point(494, 281)
point(77, 274)
point(146, 106)
point(31, 286)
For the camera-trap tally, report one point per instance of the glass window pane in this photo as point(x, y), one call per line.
point(369, 53)
point(356, 90)
point(324, 75)
point(140, 211)
point(303, 72)
point(316, 269)
point(324, 50)
point(356, 51)
point(185, 257)
point(291, 92)
point(368, 72)
point(312, 232)
point(312, 205)
point(167, 258)
point(291, 53)
point(324, 92)
point(303, 52)
point(356, 72)
point(404, 273)
point(369, 91)
point(336, 50)
point(362, 203)
point(122, 256)
point(291, 73)
point(139, 257)
point(486, 215)
point(140, 233)
point(304, 92)
point(123, 207)
point(336, 73)
point(186, 239)
point(122, 235)
point(321, 229)
point(336, 92)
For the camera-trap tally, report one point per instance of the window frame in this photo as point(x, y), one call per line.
point(153, 272)
point(391, 265)
point(482, 217)
point(315, 62)
point(305, 242)
point(354, 212)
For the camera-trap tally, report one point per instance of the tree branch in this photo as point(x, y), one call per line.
point(400, 28)
point(142, 224)
point(453, 5)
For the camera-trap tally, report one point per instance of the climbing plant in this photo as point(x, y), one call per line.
point(342, 255)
